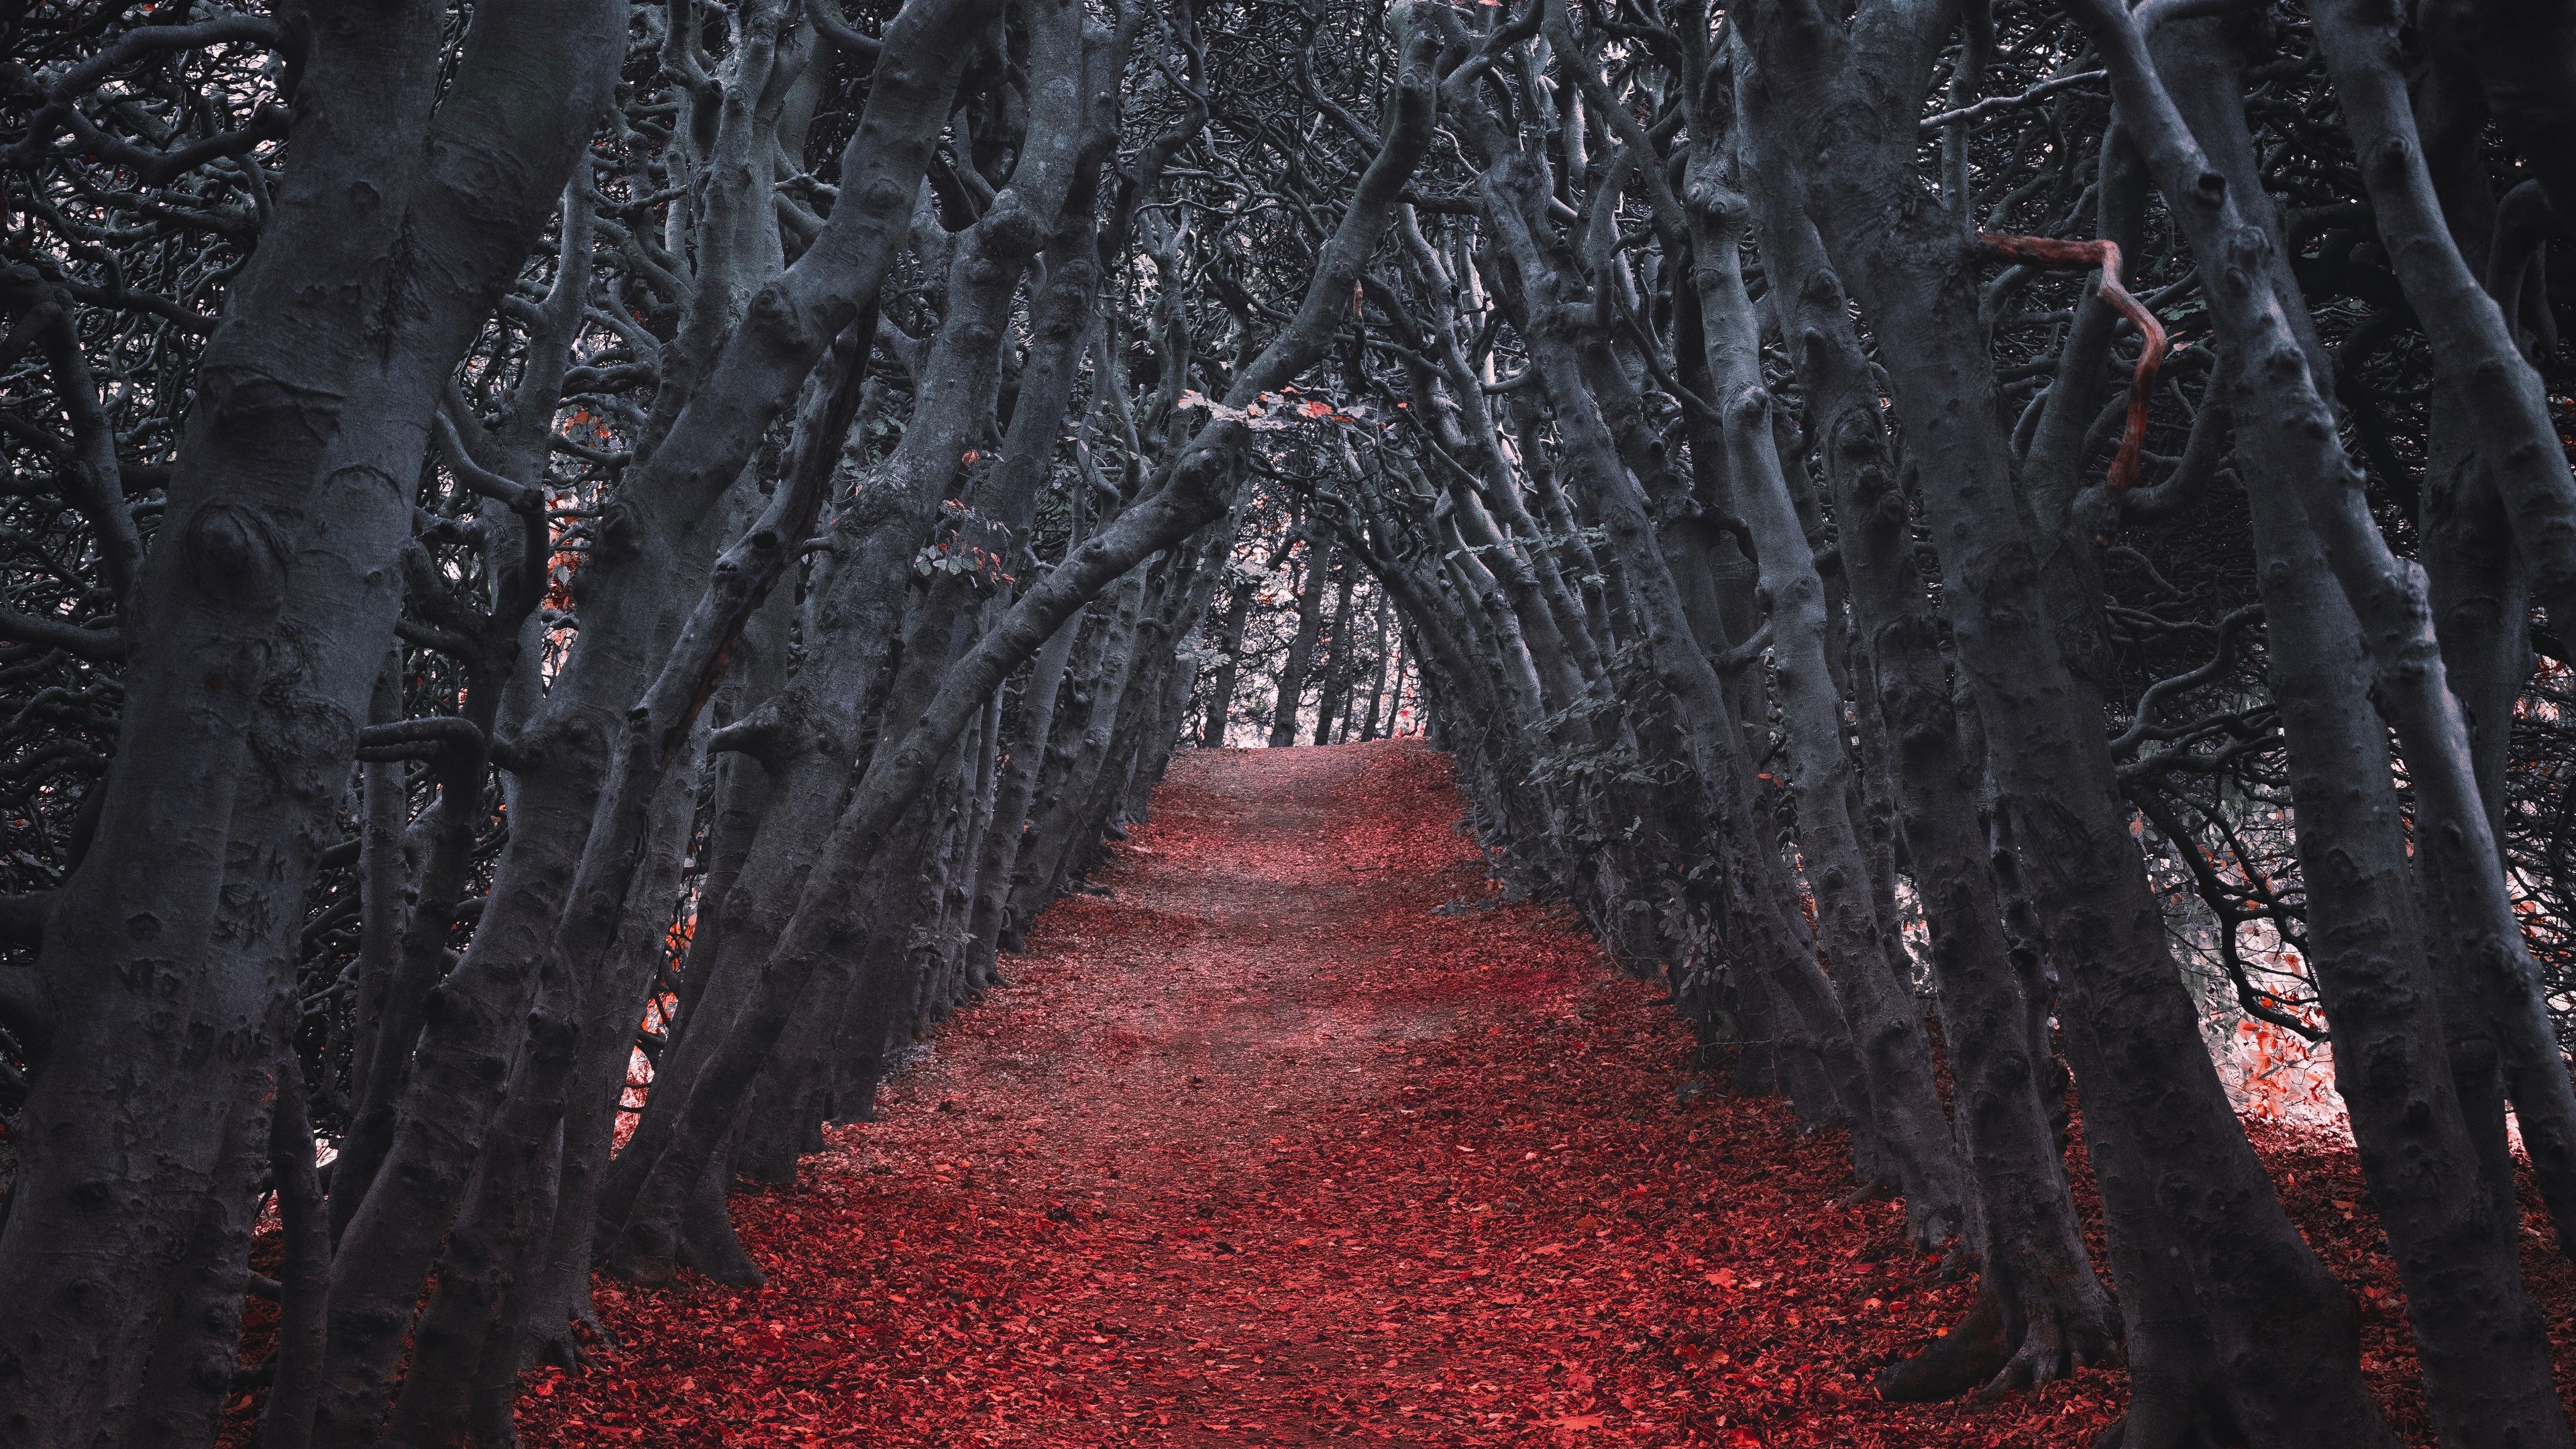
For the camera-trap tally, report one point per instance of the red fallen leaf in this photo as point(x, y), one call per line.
point(913, 1312)
point(1576, 1421)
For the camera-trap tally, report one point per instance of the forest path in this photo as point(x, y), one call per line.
point(1301, 1136)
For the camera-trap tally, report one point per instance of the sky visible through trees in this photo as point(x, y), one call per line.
point(578, 573)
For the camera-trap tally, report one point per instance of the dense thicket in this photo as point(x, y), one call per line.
point(2037, 529)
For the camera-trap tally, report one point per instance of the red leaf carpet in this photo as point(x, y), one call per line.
point(1302, 1137)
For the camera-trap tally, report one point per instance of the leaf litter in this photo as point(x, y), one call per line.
point(1274, 1145)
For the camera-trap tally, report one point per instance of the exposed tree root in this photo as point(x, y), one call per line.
point(1967, 1357)
point(2053, 1345)
point(562, 1344)
point(1982, 1355)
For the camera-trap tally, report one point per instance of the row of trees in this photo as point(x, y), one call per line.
point(529, 519)
point(1296, 621)
point(489, 477)
point(1831, 539)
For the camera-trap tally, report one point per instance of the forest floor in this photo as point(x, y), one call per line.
point(1300, 1135)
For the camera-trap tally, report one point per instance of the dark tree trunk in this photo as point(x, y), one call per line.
point(1229, 648)
point(1887, 1024)
point(1333, 699)
point(164, 959)
point(2055, 1314)
point(304, 1272)
point(1300, 658)
point(1388, 654)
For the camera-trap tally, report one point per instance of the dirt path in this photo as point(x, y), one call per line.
point(1299, 1137)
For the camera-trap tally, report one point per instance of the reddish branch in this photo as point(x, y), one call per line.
point(2041, 251)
